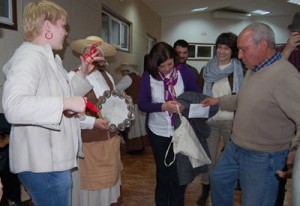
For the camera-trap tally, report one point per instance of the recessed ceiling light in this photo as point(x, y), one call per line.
point(294, 2)
point(260, 12)
point(199, 9)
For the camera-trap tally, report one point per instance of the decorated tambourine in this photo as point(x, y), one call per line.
point(117, 108)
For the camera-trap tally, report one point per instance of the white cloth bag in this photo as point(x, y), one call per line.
point(186, 142)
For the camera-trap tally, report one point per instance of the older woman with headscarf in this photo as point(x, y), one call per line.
point(99, 171)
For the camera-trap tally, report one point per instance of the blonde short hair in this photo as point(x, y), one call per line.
point(36, 13)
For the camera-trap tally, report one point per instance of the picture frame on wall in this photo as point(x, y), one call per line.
point(8, 14)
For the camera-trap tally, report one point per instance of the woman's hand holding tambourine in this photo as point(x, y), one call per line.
point(101, 124)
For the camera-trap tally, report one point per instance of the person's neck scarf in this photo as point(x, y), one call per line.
point(169, 90)
point(212, 73)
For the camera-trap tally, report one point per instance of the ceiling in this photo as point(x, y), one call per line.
point(167, 8)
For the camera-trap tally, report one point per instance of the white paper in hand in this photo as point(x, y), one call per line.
point(198, 111)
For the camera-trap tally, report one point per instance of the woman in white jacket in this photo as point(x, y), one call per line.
point(44, 142)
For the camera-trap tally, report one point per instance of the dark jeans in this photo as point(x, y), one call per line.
point(168, 192)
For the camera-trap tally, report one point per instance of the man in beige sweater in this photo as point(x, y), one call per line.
point(266, 125)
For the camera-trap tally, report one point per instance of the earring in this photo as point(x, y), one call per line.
point(47, 35)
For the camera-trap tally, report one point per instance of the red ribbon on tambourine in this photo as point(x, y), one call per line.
point(91, 107)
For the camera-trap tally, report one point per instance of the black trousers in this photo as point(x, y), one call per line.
point(10, 181)
point(168, 192)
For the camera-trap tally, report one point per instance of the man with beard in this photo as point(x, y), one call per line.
point(182, 49)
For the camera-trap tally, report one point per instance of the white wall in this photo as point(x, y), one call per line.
point(84, 19)
point(9, 40)
point(203, 28)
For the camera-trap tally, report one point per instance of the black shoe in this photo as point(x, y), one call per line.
point(204, 195)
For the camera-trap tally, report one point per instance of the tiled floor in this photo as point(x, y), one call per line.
point(138, 181)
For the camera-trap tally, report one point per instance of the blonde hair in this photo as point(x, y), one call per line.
point(36, 13)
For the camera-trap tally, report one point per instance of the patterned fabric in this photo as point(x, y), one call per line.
point(169, 91)
point(268, 62)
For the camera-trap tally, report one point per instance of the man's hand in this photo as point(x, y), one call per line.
point(210, 101)
point(290, 165)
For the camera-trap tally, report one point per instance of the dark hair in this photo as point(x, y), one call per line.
point(229, 39)
point(160, 53)
point(182, 43)
point(146, 57)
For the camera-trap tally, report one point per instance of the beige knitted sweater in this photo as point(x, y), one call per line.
point(267, 108)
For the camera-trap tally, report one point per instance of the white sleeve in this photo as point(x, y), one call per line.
point(125, 82)
point(87, 122)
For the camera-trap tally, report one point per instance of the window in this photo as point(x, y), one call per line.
point(115, 31)
point(8, 14)
point(150, 43)
point(202, 52)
